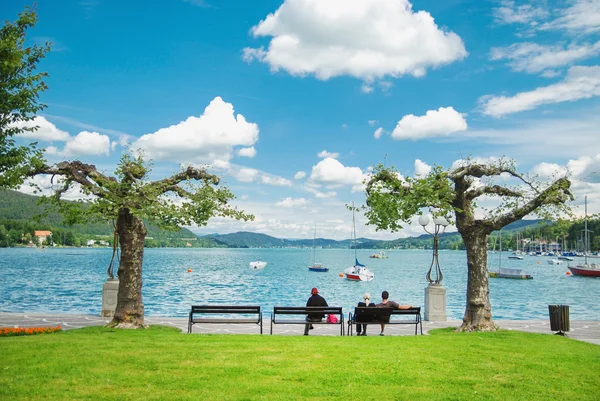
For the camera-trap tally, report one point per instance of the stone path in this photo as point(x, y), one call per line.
point(588, 331)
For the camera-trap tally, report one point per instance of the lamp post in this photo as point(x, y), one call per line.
point(435, 293)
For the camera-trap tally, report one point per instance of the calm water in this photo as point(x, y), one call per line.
point(70, 281)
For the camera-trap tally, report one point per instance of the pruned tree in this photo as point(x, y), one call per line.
point(393, 200)
point(186, 198)
point(20, 87)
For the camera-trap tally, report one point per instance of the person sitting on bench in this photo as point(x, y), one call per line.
point(385, 303)
point(314, 300)
point(361, 329)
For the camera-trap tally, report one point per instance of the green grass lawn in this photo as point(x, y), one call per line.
point(161, 363)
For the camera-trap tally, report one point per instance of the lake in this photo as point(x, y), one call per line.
point(70, 281)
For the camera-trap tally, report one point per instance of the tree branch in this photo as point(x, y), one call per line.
point(80, 173)
point(557, 193)
point(170, 183)
point(493, 190)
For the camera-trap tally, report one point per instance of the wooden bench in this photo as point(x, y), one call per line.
point(370, 315)
point(287, 311)
point(221, 314)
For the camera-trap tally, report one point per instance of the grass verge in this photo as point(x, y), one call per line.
point(161, 363)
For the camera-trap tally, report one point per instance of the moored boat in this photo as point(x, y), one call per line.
point(318, 267)
point(554, 261)
point(358, 272)
point(586, 269)
point(256, 265)
point(379, 255)
point(510, 273)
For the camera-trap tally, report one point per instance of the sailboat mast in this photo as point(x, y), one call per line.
point(500, 253)
point(314, 239)
point(585, 234)
point(354, 230)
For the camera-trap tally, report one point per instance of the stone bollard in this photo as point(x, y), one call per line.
point(110, 290)
point(435, 303)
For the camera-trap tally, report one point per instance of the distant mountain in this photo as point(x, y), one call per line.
point(245, 239)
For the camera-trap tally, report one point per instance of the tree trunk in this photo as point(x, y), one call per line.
point(478, 312)
point(129, 312)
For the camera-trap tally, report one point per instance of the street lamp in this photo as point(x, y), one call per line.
point(440, 225)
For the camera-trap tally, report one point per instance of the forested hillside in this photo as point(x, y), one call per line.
point(19, 219)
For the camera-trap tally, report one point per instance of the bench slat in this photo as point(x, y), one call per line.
point(226, 310)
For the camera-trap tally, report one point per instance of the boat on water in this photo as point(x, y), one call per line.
point(316, 267)
point(567, 258)
point(358, 272)
point(586, 269)
point(256, 265)
point(379, 255)
point(554, 261)
point(518, 257)
point(510, 273)
point(503, 272)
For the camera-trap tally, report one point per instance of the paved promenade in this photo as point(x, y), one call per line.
point(588, 330)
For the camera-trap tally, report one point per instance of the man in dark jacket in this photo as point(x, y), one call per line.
point(314, 300)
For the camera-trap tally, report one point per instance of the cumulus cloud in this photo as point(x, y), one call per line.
point(440, 122)
point(330, 171)
point(547, 170)
point(421, 168)
point(378, 132)
point(46, 131)
point(245, 174)
point(299, 175)
point(289, 202)
point(362, 38)
point(84, 144)
point(269, 179)
point(534, 58)
point(324, 154)
point(586, 168)
point(580, 83)
point(202, 139)
point(247, 152)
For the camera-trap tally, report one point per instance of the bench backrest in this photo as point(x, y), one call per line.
point(303, 310)
point(222, 309)
point(368, 314)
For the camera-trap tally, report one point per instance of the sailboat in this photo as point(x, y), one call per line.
point(503, 272)
point(586, 269)
point(358, 272)
point(516, 254)
point(316, 267)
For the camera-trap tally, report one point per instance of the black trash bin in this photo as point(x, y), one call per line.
point(559, 318)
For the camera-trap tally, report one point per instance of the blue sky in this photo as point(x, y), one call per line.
point(293, 101)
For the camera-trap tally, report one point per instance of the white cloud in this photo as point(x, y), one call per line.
point(509, 13)
point(324, 154)
point(421, 168)
point(318, 193)
point(46, 131)
point(331, 171)
point(299, 175)
point(580, 83)
point(586, 168)
point(245, 174)
point(547, 170)
point(273, 180)
point(583, 16)
point(534, 58)
point(378, 132)
point(440, 122)
point(362, 38)
point(289, 202)
point(366, 88)
point(373, 123)
point(201, 139)
point(247, 152)
point(85, 143)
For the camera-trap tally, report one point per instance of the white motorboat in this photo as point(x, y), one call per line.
point(256, 265)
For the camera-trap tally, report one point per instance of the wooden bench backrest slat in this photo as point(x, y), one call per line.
point(303, 310)
point(225, 309)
